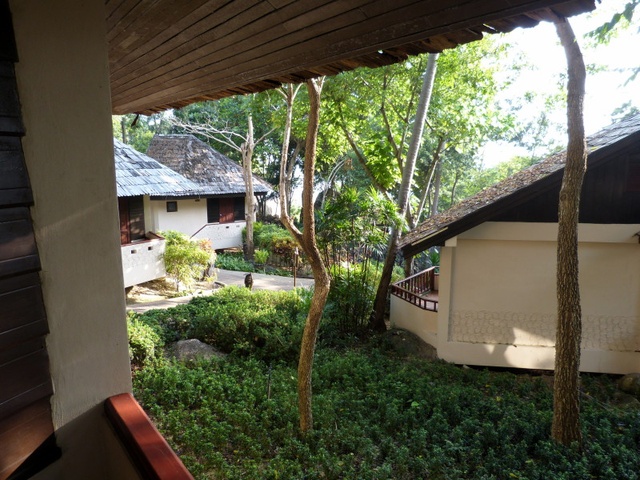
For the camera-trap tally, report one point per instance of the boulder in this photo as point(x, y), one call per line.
point(630, 384)
point(193, 349)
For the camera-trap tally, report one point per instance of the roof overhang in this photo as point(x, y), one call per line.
point(170, 53)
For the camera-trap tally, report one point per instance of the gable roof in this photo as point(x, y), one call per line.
point(515, 190)
point(167, 54)
point(215, 173)
point(138, 174)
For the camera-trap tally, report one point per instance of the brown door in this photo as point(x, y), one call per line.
point(226, 210)
point(123, 209)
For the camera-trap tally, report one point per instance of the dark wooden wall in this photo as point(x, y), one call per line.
point(610, 194)
point(27, 443)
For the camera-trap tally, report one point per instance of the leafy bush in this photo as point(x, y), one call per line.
point(261, 256)
point(144, 341)
point(184, 259)
point(234, 262)
point(236, 320)
point(274, 238)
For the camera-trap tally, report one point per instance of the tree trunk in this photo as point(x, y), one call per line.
point(380, 302)
point(287, 166)
point(566, 395)
point(249, 199)
point(307, 240)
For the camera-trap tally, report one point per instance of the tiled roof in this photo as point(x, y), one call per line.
point(138, 174)
point(479, 203)
point(215, 173)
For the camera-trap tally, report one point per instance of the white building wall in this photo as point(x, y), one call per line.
point(143, 261)
point(497, 297)
point(191, 219)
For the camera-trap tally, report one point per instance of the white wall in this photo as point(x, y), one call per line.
point(143, 261)
point(63, 82)
point(191, 219)
point(498, 296)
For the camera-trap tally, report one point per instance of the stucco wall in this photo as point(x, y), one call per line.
point(63, 82)
point(191, 219)
point(423, 323)
point(143, 261)
point(502, 295)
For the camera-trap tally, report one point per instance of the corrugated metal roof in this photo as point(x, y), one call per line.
point(138, 174)
point(215, 173)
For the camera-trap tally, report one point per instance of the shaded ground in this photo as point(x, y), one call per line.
point(162, 293)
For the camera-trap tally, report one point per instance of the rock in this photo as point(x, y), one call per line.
point(407, 344)
point(630, 383)
point(193, 349)
point(625, 401)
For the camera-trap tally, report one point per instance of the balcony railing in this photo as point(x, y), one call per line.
point(419, 289)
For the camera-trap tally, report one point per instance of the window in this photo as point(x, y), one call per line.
point(225, 210)
point(172, 206)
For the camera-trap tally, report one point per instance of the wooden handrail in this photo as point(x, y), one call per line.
point(151, 454)
point(415, 289)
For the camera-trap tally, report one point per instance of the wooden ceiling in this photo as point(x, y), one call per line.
point(170, 53)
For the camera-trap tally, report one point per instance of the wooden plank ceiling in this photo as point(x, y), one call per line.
point(170, 53)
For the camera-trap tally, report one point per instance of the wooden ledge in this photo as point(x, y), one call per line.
point(149, 451)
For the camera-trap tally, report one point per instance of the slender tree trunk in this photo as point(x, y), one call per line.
point(380, 302)
point(436, 189)
point(425, 193)
point(249, 199)
point(566, 396)
point(307, 240)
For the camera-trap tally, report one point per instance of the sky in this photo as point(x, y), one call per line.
point(605, 89)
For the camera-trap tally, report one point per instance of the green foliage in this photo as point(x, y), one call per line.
point(184, 259)
point(234, 262)
point(236, 320)
point(377, 417)
point(273, 238)
point(138, 135)
point(145, 341)
point(350, 301)
point(261, 256)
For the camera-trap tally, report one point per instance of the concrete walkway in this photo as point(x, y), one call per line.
point(228, 278)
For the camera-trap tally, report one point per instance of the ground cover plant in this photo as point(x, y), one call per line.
point(376, 415)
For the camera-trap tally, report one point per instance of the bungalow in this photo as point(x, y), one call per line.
point(137, 178)
point(217, 212)
point(495, 300)
point(66, 410)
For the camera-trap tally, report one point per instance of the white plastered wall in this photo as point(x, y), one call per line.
point(191, 219)
point(498, 296)
point(63, 82)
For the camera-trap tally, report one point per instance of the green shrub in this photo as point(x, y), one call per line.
point(274, 238)
point(234, 262)
point(144, 341)
point(261, 256)
point(263, 323)
point(186, 260)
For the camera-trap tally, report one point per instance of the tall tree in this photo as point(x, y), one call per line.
point(379, 307)
point(245, 144)
point(566, 395)
point(307, 241)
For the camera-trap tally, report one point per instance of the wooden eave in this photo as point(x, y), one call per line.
point(167, 53)
point(413, 243)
